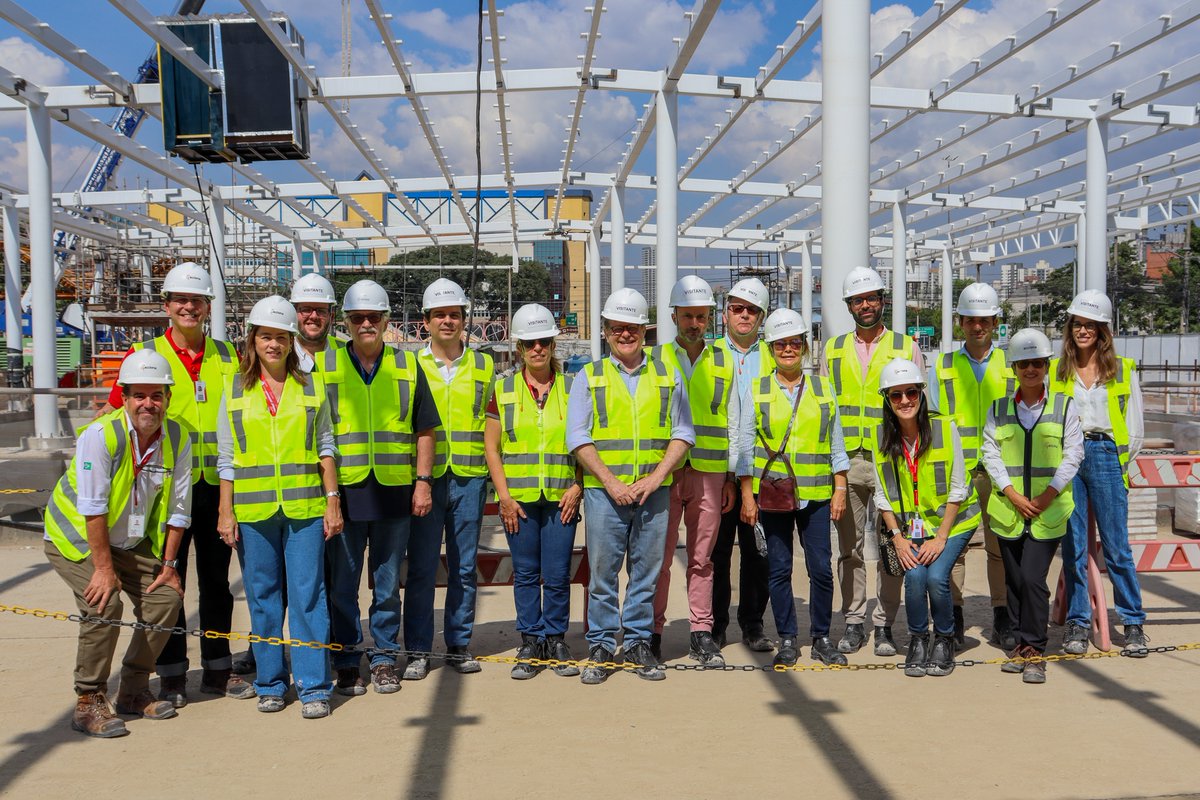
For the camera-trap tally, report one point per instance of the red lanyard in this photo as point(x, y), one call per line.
point(272, 400)
point(138, 466)
point(910, 458)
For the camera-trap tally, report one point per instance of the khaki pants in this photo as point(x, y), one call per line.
point(853, 528)
point(995, 563)
point(136, 570)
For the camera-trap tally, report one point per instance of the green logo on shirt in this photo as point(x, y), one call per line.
point(87, 465)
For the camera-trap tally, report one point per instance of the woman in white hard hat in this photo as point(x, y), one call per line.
point(929, 510)
point(538, 486)
point(1108, 399)
point(279, 502)
point(1032, 446)
point(791, 430)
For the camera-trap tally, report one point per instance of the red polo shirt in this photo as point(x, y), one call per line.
point(115, 398)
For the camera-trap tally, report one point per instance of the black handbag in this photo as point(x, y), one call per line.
point(778, 495)
point(887, 546)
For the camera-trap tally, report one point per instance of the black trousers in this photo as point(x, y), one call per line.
point(212, 573)
point(1026, 564)
point(752, 582)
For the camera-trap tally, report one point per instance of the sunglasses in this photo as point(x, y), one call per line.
point(738, 308)
point(1034, 363)
point(896, 395)
point(545, 344)
point(618, 330)
point(784, 344)
point(857, 302)
point(359, 319)
point(1084, 324)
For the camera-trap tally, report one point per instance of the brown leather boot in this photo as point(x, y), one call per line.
point(144, 705)
point(95, 717)
point(226, 682)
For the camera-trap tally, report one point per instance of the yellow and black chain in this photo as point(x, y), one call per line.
point(251, 638)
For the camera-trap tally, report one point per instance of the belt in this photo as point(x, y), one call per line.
point(1097, 436)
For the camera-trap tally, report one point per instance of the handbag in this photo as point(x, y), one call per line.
point(779, 494)
point(887, 546)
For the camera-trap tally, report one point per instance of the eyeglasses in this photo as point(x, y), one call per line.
point(308, 311)
point(359, 319)
point(545, 344)
point(1085, 324)
point(738, 309)
point(785, 344)
point(858, 302)
point(1032, 363)
point(618, 330)
point(911, 393)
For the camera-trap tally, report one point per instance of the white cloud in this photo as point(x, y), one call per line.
point(22, 58)
point(64, 159)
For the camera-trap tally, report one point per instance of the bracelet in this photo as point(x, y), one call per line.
point(840, 489)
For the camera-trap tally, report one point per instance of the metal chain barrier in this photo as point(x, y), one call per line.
point(251, 638)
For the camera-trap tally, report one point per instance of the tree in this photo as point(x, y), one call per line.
point(1181, 287)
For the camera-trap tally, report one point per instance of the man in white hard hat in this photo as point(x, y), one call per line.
point(852, 363)
point(199, 366)
point(704, 486)
point(965, 384)
point(115, 524)
point(461, 380)
point(629, 426)
point(746, 306)
point(384, 420)
point(313, 299)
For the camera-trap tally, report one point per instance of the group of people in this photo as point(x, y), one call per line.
point(314, 459)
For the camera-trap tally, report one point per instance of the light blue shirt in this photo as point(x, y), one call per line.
point(579, 407)
point(748, 434)
point(979, 367)
point(745, 365)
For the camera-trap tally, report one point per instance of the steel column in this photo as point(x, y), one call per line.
point(666, 167)
point(216, 265)
point(1080, 252)
point(899, 269)
point(297, 258)
point(41, 268)
point(617, 249)
point(594, 300)
point(147, 278)
point(947, 300)
point(806, 289)
point(12, 301)
point(1096, 199)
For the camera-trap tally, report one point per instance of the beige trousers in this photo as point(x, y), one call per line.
point(853, 531)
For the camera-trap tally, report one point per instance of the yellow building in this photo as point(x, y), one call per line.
point(576, 210)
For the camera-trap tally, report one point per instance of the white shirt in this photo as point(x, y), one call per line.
point(94, 470)
point(959, 488)
point(447, 368)
point(306, 361)
point(1092, 406)
point(1028, 416)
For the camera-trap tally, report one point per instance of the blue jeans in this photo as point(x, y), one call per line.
point(424, 551)
point(933, 582)
point(541, 559)
point(1100, 480)
point(387, 541)
point(634, 536)
point(464, 516)
point(265, 549)
point(813, 524)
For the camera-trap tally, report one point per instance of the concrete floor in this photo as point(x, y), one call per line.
point(1112, 727)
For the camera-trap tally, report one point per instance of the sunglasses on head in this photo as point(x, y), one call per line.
point(911, 393)
point(358, 319)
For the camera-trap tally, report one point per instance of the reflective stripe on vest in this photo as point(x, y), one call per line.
point(1119, 389)
point(631, 434)
point(859, 402)
point(533, 441)
point(461, 405)
point(1031, 458)
point(708, 398)
point(808, 448)
point(933, 478)
point(966, 399)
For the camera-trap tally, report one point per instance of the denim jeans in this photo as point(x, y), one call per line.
point(541, 559)
point(424, 551)
point(464, 516)
point(633, 536)
point(264, 548)
point(933, 582)
point(384, 542)
point(1101, 480)
point(813, 524)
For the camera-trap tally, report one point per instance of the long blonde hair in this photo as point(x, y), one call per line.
point(251, 369)
point(1106, 355)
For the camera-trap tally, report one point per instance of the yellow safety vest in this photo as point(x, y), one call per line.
point(67, 528)
point(933, 480)
point(708, 397)
point(966, 399)
point(1031, 458)
point(808, 448)
point(631, 434)
point(533, 441)
point(275, 461)
point(461, 404)
point(373, 422)
point(320, 359)
point(1119, 389)
point(860, 404)
point(200, 419)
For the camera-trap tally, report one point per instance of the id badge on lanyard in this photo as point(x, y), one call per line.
point(201, 392)
point(916, 525)
point(136, 523)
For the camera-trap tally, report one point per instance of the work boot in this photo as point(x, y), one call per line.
point(173, 690)
point(758, 641)
point(789, 652)
point(94, 716)
point(918, 655)
point(885, 645)
point(226, 682)
point(1035, 671)
point(1075, 639)
point(941, 659)
point(705, 650)
point(824, 651)
point(145, 705)
point(350, 682)
point(417, 668)
point(531, 647)
point(853, 639)
point(960, 628)
point(245, 664)
point(656, 646)
point(1002, 630)
point(719, 638)
point(557, 650)
point(384, 678)
point(593, 672)
point(1136, 642)
point(461, 661)
point(1016, 662)
point(648, 667)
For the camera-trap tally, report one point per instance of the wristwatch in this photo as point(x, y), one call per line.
point(333, 494)
point(173, 563)
point(892, 533)
point(425, 479)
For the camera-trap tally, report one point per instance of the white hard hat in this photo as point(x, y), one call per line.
point(367, 295)
point(188, 278)
point(900, 372)
point(782, 323)
point(626, 305)
point(1028, 343)
point(443, 292)
point(274, 312)
point(313, 288)
point(1092, 304)
point(691, 290)
point(861, 280)
point(532, 321)
point(978, 300)
point(752, 291)
point(145, 366)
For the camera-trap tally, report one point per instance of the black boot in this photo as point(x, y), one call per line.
point(960, 628)
point(531, 647)
point(656, 646)
point(1002, 631)
point(941, 659)
point(557, 650)
point(918, 655)
point(789, 652)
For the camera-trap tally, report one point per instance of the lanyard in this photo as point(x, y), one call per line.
point(910, 458)
point(540, 399)
point(272, 400)
point(138, 466)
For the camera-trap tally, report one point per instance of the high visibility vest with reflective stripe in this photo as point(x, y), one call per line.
point(708, 396)
point(461, 405)
point(275, 462)
point(321, 360)
point(1119, 389)
point(933, 479)
point(200, 419)
point(966, 399)
point(67, 528)
point(372, 422)
point(631, 434)
point(533, 441)
point(1031, 458)
point(859, 402)
point(808, 448)
point(766, 361)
